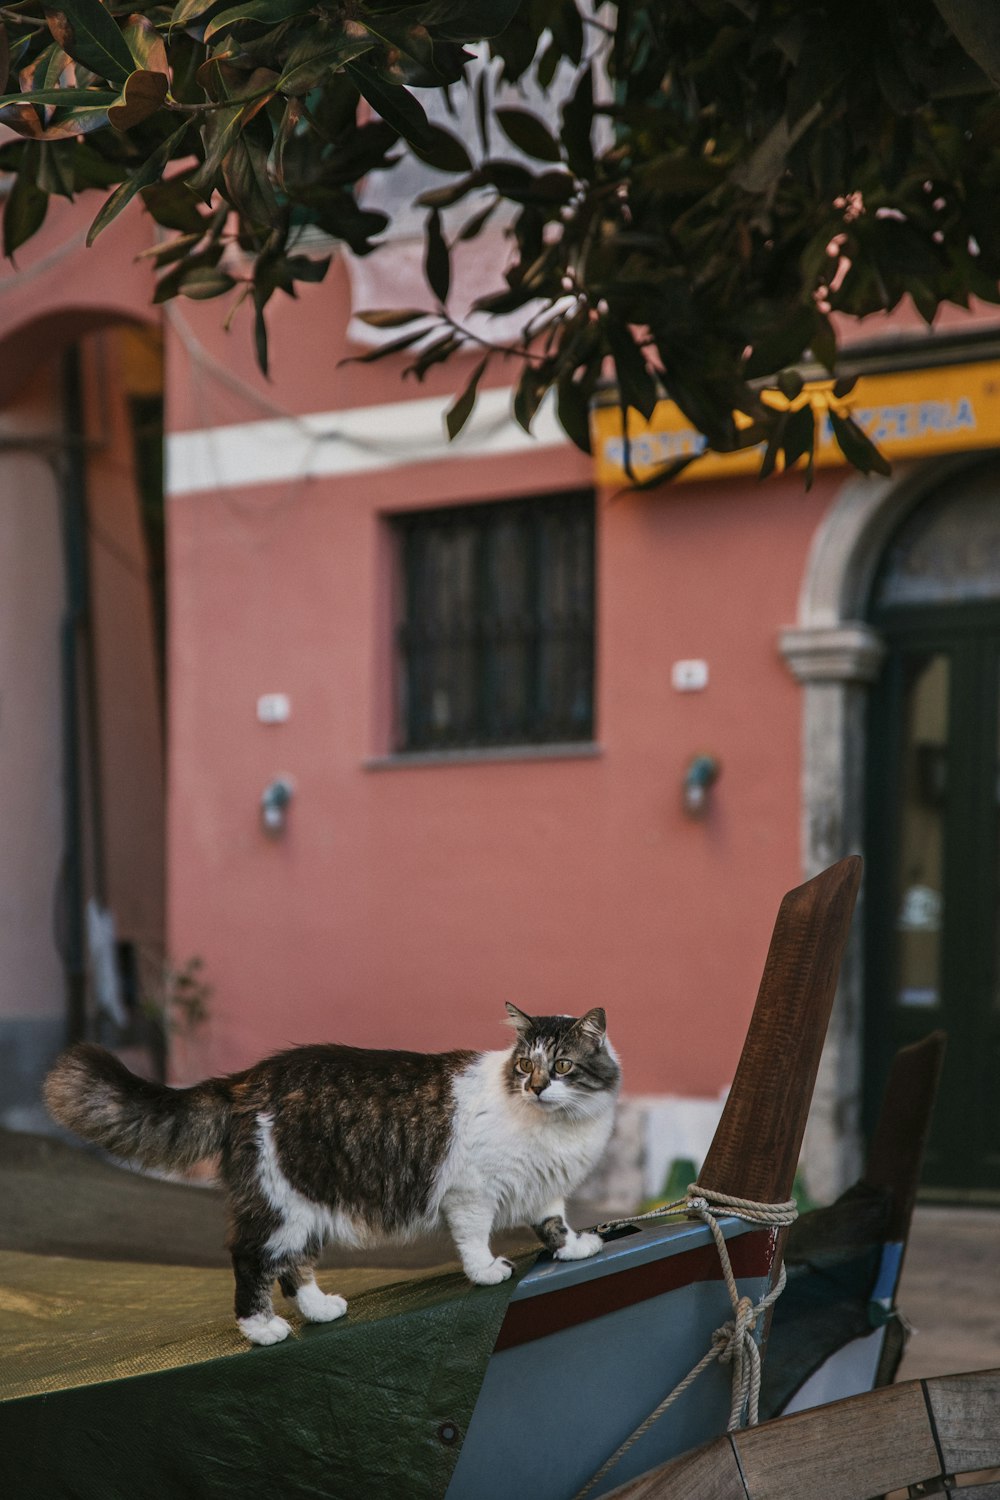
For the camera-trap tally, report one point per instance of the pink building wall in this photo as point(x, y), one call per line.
point(406, 903)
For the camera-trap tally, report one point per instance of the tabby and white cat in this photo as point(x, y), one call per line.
point(354, 1146)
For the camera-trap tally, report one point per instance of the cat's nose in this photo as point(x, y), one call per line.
point(539, 1088)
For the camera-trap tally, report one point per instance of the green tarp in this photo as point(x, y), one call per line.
point(130, 1382)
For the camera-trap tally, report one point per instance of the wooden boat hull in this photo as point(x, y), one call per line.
point(589, 1348)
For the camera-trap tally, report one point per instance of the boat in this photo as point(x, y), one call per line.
point(937, 1436)
point(431, 1387)
point(837, 1330)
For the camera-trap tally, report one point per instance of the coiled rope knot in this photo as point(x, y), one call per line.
point(733, 1343)
point(729, 1339)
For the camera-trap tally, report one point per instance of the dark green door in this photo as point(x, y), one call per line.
point(933, 888)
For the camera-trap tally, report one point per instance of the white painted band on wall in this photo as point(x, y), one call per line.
point(355, 441)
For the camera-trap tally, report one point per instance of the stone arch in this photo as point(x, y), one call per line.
point(835, 654)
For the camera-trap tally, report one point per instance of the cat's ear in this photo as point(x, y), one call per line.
point(593, 1026)
point(516, 1018)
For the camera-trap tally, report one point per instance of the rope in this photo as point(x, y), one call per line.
point(734, 1342)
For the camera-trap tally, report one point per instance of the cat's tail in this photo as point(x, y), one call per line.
point(92, 1093)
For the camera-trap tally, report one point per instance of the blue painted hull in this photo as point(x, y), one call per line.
point(590, 1348)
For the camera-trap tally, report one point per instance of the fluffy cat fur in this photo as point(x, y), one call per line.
point(338, 1143)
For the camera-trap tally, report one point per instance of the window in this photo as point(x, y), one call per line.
point(496, 631)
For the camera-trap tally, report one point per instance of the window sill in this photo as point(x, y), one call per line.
point(477, 754)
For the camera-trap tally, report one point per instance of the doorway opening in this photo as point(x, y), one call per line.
point(933, 822)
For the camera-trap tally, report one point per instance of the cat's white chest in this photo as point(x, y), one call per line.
point(525, 1157)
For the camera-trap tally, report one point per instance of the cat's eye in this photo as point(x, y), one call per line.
point(563, 1065)
point(525, 1065)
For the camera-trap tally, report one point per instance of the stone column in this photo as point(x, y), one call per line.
point(835, 664)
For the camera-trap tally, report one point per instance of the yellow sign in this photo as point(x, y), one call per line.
point(908, 414)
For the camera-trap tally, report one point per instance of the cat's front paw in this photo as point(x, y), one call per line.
point(319, 1307)
point(264, 1328)
point(490, 1272)
point(580, 1247)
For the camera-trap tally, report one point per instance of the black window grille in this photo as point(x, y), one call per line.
point(496, 629)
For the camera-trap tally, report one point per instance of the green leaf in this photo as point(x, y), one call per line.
point(439, 148)
point(18, 114)
point(24, 212)
point(170, 250)
point(169, 284)
point(473, 21)
point(174, 205)
point(312, 59)
point(472, 226)
point(437, 261)
point(143, 94)
point(573, 409)
point(187, 11)
point(636, 383)
point(461, 410)
point(800, 437)
point(452, 192)
point(55, 168)
point(790, 384)
point(248, 186)
point(263, 12)
point(146, 173)
point(857, 447)
point(91, 36)
point(223, 126)
point(393, 347)
point(434, 354)
point(308, 267)
point(64, 98)
point(758, 172)
point(782, 341)
point(823, 342)
point(527, 132)
point(390, 317)
point(411, 54)
point(205, 282)
point(260, 329)
point(396, 105)
point(528, 397)
point(145, 44)
point(774, 442)
point(578, 117)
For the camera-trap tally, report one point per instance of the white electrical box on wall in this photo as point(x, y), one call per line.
point(274, 708)
point(689, 676)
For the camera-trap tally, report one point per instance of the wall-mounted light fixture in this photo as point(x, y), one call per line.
point(700, 776)
point(274, 803)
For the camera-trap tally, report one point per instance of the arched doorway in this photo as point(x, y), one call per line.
point(82, 747)
point(932, 956)
point(836, 652)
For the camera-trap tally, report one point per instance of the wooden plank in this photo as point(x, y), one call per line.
point(896, 1154)
point(756, 1147)
point(708, 1473)
point(967, 1415)
point(989, 1491)
point(850, 1450)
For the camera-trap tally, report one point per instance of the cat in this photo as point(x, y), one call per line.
point(326, 1142)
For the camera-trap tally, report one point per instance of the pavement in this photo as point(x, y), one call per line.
point(59, 1199)
point(950, 1292)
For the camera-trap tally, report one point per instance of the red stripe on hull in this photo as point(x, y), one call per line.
point(751, 1255)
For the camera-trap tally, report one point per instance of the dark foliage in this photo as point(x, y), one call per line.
point(721, 175)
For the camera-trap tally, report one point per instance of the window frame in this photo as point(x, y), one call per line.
point(550, 721)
